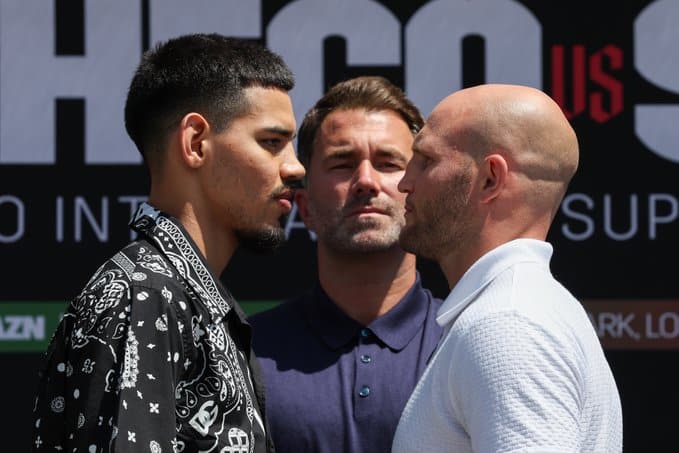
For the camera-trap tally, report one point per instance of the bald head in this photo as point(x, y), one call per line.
point(491, 165)
point(523, 124)
point(520, 121)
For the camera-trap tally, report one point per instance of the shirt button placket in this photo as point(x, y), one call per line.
point(365, 375)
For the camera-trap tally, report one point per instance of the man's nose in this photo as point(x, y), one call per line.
point(366, 179)
point(291, 168)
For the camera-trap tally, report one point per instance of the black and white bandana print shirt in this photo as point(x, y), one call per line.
point(152, 356)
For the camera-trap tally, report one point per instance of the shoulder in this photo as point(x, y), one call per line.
point(509, 372)
point(276, 317)
point(504, 350)
point(536, 282)
point(279, 327)
point(497, 328)
point(508, 346)
point(526, 292)
point(137, 256)
point(136, 272)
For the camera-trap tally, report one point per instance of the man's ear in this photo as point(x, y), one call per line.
point(193, 130)
point(494, 176)
point(302, 202)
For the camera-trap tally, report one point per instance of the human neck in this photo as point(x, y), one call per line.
point(461, 256)
point(454, 265)
point(459, 259)
point(366, 285)
point(216, 246)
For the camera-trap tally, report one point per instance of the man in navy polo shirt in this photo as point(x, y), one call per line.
point(341, 360)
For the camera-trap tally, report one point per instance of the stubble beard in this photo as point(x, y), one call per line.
point(353, 235)
point(443, 222)
point(267, 238)
point(263, 240)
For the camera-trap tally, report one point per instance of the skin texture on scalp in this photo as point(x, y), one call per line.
point(491, 164)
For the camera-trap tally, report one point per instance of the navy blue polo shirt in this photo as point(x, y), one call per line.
point(334, 385)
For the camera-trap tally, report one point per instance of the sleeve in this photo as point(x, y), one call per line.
point(108, 383)
point(151, 366)
point(517, 387)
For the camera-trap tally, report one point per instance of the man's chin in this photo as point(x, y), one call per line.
point(364, 242)
point(262, 241)
point(410, 242)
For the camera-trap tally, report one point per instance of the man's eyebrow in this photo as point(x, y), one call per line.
point(339, 154)
point(287, 133)
point(392, 152)
point(349, 153)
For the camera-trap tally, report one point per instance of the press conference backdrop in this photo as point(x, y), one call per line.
point(70, 177)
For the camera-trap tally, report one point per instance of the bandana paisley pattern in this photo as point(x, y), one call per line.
point(149, 357)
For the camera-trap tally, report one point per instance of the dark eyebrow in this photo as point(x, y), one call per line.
point(287, 133)
point(339, 154)
point(348, 153)
point(393, 153)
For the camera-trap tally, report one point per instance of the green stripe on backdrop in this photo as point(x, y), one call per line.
point(255, 306)
point(28, 326)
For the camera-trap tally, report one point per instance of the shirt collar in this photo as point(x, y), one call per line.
point(486, 268)
point(174, 242)
point(396, 328)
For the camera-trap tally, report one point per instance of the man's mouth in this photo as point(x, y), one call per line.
point(366, 210)
point(284, 197)
point(408, 207)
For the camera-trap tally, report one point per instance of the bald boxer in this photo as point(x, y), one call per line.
point(520, 367)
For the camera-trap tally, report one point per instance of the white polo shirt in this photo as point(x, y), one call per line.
point(519, 367)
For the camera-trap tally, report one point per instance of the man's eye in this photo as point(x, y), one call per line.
point(271, 142)
point(343, 166)
point(421, 160)
point(390, 166)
